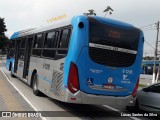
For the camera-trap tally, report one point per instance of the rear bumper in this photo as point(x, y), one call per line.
point(84, 98)
point(105, 100)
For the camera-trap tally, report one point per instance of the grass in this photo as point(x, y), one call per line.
point(142, 85)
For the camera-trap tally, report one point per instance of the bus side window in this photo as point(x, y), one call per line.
point(50, 40)
point(64, 41)
point(22, 48)
point(11, 52)
point(38, 43)
point(50, 44)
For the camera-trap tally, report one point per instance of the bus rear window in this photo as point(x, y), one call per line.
point(115, 36)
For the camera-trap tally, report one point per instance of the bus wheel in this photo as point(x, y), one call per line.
point(35, 86)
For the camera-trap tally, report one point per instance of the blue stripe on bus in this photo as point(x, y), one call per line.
point(15, 35)
point(39, 76)
point(44, 78)
point(113, 22)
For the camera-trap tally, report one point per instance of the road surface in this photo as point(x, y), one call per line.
point(52, 109)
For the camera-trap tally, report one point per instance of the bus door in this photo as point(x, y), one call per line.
point(21, 55)
point(27, 56)
point(16, 55)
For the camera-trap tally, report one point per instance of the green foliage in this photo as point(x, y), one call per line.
point(3, 41)
point(142, 85)
point(2, 26)
point(3, 38)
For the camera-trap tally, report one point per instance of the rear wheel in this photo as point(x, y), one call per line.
point(35, 85)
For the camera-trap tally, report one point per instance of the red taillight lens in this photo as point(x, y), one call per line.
point(73, 82)
point(135, 89)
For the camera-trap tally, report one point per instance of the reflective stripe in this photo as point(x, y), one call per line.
point(112, 48)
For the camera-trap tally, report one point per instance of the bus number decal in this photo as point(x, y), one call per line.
point(46, 66)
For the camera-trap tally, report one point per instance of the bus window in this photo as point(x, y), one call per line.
point(64, 41)
point(11, 49)
point(50, 41)
point(112, 46)
point(22, 48)
point(38, 43)
point(50, 44)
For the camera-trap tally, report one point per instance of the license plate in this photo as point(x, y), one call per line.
point(109, 86)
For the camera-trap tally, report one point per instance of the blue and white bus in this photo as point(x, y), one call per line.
point(89, 60)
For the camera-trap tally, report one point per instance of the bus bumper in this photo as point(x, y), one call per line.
point(84, 98)
point(106, 100)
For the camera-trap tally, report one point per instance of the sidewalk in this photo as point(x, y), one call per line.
point(11, 100)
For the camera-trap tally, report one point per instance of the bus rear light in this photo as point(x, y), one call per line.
point(73, 82)
point(135, 89)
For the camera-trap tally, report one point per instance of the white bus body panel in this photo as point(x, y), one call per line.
point(50, 77)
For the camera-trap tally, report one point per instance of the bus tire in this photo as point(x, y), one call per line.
point(35, 85)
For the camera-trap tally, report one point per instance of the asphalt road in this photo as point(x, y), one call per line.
point(56, 110)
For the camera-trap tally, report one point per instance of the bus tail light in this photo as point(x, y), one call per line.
point(73, 82)
point(135, 89)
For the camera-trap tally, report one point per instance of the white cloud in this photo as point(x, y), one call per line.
point(23, 14)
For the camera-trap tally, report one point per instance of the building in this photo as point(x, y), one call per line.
point(147, 66)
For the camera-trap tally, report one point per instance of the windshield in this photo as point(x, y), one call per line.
point(105, 34)
point(114, 46)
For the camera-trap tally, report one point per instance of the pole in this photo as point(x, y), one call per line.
point(155, 58)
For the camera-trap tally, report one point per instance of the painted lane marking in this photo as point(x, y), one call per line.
point(10, 101)
point(25, 98)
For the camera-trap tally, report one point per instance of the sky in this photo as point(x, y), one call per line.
point(24, 14)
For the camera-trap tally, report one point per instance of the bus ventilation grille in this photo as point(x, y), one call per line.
point(111, 58)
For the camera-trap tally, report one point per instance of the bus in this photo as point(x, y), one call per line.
point(148, 65)
point(88, 60)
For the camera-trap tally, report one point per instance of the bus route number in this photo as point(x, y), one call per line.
point(46, 66)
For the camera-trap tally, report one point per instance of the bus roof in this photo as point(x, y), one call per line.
point(113, 22)
point(61, 24)
point(17, 34)
point(37, 30)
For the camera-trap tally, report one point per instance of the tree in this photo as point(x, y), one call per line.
point(108, 9)
point(3, 38)
point(3, 41)
point(91, 12)
point(2, 26)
